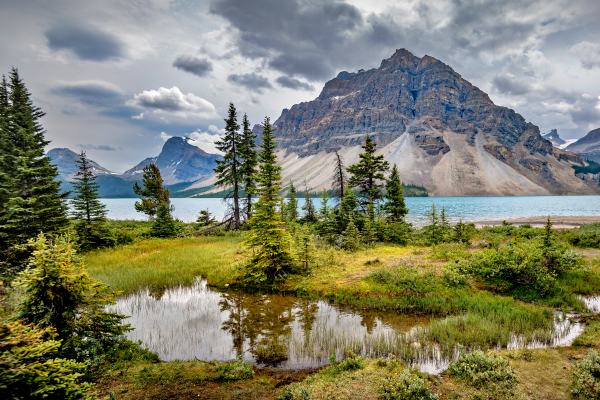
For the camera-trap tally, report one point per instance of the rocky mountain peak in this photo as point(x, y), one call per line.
point(428, 114)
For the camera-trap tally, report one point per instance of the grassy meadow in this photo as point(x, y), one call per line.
point(414, 279)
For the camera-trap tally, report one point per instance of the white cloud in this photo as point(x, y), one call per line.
point(165, 136)
point(206, 140)
point(172, 102)
point(588, 54)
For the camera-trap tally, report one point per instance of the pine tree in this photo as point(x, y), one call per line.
point(205, 218)
point(339, 177)
point(395, 206)
point(348, 210)
point(351, 237)
point(89, 212)
point(292, 205)
point(270, 243)
point(153, 193)
point(310, 214)
point(324, 210)
point(164, 225)
point(5, 152)
point(367, 174)
point(33, 202)
point(249, 161)
point(435, 231)
point(229, 169)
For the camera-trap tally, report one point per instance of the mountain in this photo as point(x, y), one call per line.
point(180, 164)
point(442, 132)
point(66, 162)
point(178, 161)
point(554, 138)
point(588, 147)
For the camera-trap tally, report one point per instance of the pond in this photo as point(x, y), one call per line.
point(197, 322)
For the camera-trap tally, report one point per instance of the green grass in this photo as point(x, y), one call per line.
point(160, 263)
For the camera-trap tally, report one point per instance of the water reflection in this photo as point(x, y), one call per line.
point(196, 322)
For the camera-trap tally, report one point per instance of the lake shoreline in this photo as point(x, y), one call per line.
point(558, 221)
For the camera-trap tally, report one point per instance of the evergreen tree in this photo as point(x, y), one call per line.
point(153, 193)
point(339, 177)
point(205, 218)
point(292, 205)
point(347, 211)
point(58, 293)
point(395, 206)
point(460, 233)
point(32, 199)
point(310, 214)
point(351, 237)
point(5, 149)
point(324, 210)
point(434, 229)
point(269, 241)
point(164, 225)
point(367, 174)
point(249, 162)
point(89, 212)
point(229, 169)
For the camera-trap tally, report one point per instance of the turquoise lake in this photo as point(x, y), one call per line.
point(465, 208)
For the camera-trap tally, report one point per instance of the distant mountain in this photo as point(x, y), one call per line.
point(66, 162)
point(588, 147)
point(180, 164)
point(554, 138)
point(443, 133)
point(178, 161)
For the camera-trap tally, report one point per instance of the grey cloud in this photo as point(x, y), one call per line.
point(193, 65)
point(293, 83)
point(95, 93)
point(510, 85)
point(99, 147)
point(251, 80)
point(87, 43)
point(588, 54)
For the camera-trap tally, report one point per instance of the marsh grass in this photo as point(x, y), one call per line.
point(161, 263)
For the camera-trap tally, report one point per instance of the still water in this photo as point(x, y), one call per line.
point(197, 322)
point(465, 208)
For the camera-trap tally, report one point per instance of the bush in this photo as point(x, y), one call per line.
point(586, 378)
point(351, 362)
point(407, 280)
point(394, 232)
point(234, 371)
point(586, 236)
point(480, 369)
point(525, 269)
point(407, 386)
point(270, 352)
point(31, 369)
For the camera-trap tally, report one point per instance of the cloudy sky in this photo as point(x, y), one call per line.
point(118, 77)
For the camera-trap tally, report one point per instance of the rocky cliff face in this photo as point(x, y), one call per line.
point(588, 147)
point(443, 132)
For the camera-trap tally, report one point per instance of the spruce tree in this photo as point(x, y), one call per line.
point(347, 211)
point(310, 214)
point(324, 210)
point(89, 212)
point(351, 237)
point(434, 229)
point(5, 152)
point(229, 169)
point(339, 177)
point(249, 161)
point(33, 201)
point(269, 242)
point(152, 193)
point(292, 205)
point(164, 225)
point(395, 206)
point(367, 175)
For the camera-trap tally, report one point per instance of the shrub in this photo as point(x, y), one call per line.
point(270, 352)
point(31, 369)
point(351, 362)
point(407, 386)
point(526, 269)
point(407, 280)
point(586, 378)
point(586, 236)
point(394, 232)
point(479, 369)
point(234, 371)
